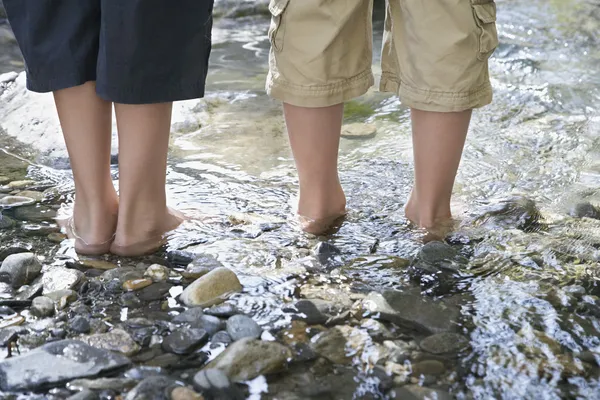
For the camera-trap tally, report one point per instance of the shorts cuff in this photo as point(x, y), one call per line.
point(151, 94)
point(320, 95)
point(44, 85)
point(427, 100)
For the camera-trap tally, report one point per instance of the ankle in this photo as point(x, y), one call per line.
point(318, 203)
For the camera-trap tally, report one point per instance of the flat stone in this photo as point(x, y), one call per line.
point(332, 345)
point(35, 213)
point(136, 284)
point(179, 257)
point(428, 367)
point(154, 292)
point(224, 310)
point(216, 385)
point(98, 264)
point(15, 201)
point(116, 340)
point(42, 307)
point(242, 326)
point(209, 323)
point(443, 343)
point(212, 288)
point(185, 341)
point(57, 237)
point(190, 315)
point(62, 298)
point(37, 230)
point(117, 384)
point(309, 313)
point(59, 278)
point(413, 310)
point(12, 321)
point(32, 194)
point(7, 222)
point(416, 392)
point(22, 184)
point(85, 395)
point(153, 388)
point(55, 363)
point(20, 269)
point(157, 272)
point(249, 358)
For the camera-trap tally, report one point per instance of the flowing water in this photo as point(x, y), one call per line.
point(530, 295)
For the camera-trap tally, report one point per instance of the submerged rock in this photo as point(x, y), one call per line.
point(216, 385)
point(15, 201)
point(185, 341)
point(223, 310)
point(116, 340)
point(153, 388)
point(35, 213)
point(42, 307)
point(331, 344)
point(58, 278)
point(55, 363)
point(413, 310)
point(514, 213)
point(242, 326)
point(157, 272)
point(444, 343)
point(20, 269)
point(248, 358)
point(585, 210)
point(416, 392)
point(212, 288)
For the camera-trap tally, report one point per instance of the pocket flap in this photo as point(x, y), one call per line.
point(276, 7)
point(485, 12)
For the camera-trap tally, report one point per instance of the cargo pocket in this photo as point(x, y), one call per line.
point(484, 12)
point(276, 33)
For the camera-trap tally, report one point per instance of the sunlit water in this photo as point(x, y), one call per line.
point(540, 138)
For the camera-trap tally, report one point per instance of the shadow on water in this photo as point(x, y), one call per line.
point(522, 267)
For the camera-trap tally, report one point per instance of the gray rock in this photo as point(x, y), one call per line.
point(444, 343)
point(10, 334)
point(212, 288)
point(84, 395)
point(80, 324)
point(42, 307)
point(58, 279)
point(435, 256)
point(185, 341)
point(189, 316)
point(428, 367)
point(413, 310)
point(249, 358)
point(216, 385)
point(55, 363)
point(6, 222)
point(154, 292)
point(116, 340)
point(35, 213)
point(220, 338)
point(514, 213)
point(117, 384)
point(585, 210)
point(308, 312)
point(15, 201)
point(20, 269)
point(225, 310)
point(209, 323)
point(153, 388)
point(242, 326)
point(331, 344)
point(574, 290)
point(416, 392)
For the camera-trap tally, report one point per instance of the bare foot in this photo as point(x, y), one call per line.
point(319, 214)
point(434, 227)
point(147, 236)
point(92, 229)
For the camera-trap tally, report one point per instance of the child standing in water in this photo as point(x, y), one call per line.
point(435, 57)
point(138, 56)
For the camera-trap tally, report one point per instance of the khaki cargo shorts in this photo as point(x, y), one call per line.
point(435, 52)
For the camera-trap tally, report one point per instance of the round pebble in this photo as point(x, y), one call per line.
point(80, 324)
point(242, 326)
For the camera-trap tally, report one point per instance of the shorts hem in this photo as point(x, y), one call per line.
point(428, 100)
point(320, 95)
point(150, 94)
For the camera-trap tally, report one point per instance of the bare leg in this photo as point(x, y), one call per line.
point(86, 123)
point(438, 140)
point(315, 137)
point(143, 145)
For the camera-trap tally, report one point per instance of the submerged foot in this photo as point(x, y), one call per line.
point(318, 215)
point(150, 235)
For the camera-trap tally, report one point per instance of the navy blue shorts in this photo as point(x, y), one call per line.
point(137, 51)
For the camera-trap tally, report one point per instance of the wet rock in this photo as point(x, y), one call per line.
point(15, 201)
point(84, 395)
point(57, 237)
point(10, 334)
point(154, 388)
point(428, 367)
point(209, 323)
point(185, 341)
point(58, 278)
point(55, 363)
point(157, 272)
point(14, 248)
point(184, 393)
point(435, 256)
point(216, 385)
point(140, 373)
point(143, 336)
point(12, 321)
point(585, 210)
point(116, 384)
point(444, 343)
point(413, 310)
point(376, 330)
point(80, 324)
point(180, 258)
point(31, 291)
point(32, 194)
point(154, 292)
point(116, 340)
point(326, 251)
point(574, 290)
point(20, 269)
point(42, 307)
point(136, 284)
point(242, 326)
point(399, 351)
point(308, 312)
point(6, 222)
point(213, 288)
point(17, 304)
point(416, 392)
point(62, 298)
point(220, 338)
point(190, 315)
point(201, 266)
point(515, 213)
point(35, 213)
point(248, 358)
point(359, 131)
point(6, 311)
point(22, 184)
point(98, 264)
point(121, 274)
point(331, 344)
point(225, 310)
